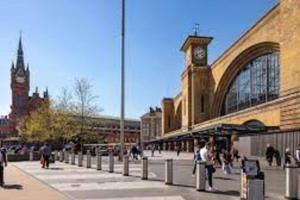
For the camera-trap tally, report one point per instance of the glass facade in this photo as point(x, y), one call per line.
point(256, 83)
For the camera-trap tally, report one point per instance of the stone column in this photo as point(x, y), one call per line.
point(164, 146)
point(170, 146)
point(188, 146)
point(182, 145)
point(174, 145)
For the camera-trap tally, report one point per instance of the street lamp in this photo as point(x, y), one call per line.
point(122, 79)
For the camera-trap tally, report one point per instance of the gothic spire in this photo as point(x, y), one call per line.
point(20, 57)
point(12, 65)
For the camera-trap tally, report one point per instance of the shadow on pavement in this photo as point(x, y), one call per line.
point(183, 185)
point(229, 193)
point(223, 178)
point(13, 187)
point(55, 168)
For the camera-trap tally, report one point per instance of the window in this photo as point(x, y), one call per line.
point(202, 103)
point(256, 83)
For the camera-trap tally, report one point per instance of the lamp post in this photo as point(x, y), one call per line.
point(122, 79)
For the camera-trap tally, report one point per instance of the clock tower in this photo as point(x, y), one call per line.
point(195, 80)
point(19, 87)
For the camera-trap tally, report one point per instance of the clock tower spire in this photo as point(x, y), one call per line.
point(19, 86)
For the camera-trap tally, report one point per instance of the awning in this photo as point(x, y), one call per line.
point(220, 130)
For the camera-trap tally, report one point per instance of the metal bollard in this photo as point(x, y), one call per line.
point(73, 158)
point(111, 162)
point(291, 190)
point(126, 166)
point(31, 155)
point(99, 162)
point(61, 156)
point(88, 159)
point(55, 155)
point(169, 171)
point(79, 159)
point(144, 168)
point(200, 173)
point(66, 157)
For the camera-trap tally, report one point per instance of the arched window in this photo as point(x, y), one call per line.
point(256, 83)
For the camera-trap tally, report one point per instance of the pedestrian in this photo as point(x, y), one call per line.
point(227, 162)
point(3, 163)
point(134, 152)
point(46, 153)
point(159, 150)
point(217, 157)
point(206, 155)
point(178, 150)
point(288, 157)
point(235, 154)
point(152, 150)
point(197, 157)
point(297, 155)
point(277, 157)
point(269, 154)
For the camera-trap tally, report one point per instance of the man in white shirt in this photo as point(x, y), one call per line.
point(204, 153)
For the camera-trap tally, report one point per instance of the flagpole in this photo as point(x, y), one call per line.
point(122, 79)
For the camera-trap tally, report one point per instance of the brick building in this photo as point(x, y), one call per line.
point(108, 129)
point(22, 103)
point(151, 125)
point(247, 97)
point(4, 127)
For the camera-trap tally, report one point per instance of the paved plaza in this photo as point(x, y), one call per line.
point(73, 182)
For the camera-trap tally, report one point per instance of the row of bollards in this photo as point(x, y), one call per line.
point(63, 156)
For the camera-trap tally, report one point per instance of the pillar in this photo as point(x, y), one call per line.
point(170, 146)
point(164, 146)
point(183, 145)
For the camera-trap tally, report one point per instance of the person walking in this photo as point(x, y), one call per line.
point(46, 153)
point(288, 157)
point(227, 162)
point(134, 152)
point(152, 150)
point(3, 163)
point(206, 156)
point(178, 149)
point(197, 157)
point(277, 157)
point(269, 154)
point(158, 148)
point(235, 154)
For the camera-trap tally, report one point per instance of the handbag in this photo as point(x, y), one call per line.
point(42, 160)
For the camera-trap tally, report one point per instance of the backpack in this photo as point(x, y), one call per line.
point(197, 155)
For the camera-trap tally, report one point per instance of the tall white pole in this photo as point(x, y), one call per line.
point(122, 80)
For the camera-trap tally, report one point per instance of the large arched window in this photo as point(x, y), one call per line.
point(256, 83)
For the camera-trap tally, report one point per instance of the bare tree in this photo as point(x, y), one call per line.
point(85, 102)
point(64, 101)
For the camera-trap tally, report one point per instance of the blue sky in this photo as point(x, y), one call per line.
point(68, 39)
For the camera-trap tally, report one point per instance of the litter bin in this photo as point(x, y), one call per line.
point(252, 180)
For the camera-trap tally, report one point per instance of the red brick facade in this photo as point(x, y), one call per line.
point(22, 104)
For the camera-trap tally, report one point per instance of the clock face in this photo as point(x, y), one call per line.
point(20, 79)
point(199, 53)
